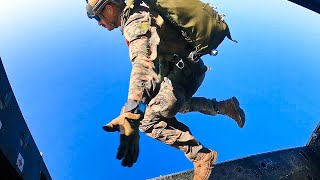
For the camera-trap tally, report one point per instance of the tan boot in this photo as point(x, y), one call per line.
point(204, 164)
point(231, 108)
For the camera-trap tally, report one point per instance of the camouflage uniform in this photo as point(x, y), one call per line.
point(156, 80)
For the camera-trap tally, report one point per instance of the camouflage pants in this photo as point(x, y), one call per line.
point(159, 121)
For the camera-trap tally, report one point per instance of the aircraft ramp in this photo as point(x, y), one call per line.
point(301, 163)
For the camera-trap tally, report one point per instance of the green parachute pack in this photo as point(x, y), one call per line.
point(201, 26)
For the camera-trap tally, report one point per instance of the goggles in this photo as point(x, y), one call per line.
point(94, 12)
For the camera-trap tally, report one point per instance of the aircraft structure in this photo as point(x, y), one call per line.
point(20, 157)
point(313, 5)
point(301, 163)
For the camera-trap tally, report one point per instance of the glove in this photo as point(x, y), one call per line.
point(128, 125)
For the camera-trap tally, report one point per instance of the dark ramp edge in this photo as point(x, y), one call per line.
point(314, 141)
point(313, 5)
point(295, 163)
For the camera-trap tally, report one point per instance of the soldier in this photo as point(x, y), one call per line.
point(162, 83)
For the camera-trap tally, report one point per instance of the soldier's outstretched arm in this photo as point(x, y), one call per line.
point(143, 40)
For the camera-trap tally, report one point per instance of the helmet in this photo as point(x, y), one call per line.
point(94, 11)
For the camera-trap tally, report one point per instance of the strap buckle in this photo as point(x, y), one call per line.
point(178, 61)
point(180, 64)
point(194, 57)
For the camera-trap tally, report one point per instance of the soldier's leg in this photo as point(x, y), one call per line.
point(159, 123)
point(229, 107)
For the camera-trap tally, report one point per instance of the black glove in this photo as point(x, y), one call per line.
point(128, 125)
point(128, 149)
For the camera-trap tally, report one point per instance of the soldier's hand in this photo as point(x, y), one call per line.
point(128, 150)
point(128, 125)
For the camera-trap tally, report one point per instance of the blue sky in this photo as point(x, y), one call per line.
point(70, 77)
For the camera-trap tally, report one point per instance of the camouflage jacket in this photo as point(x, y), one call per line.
point(152, 43)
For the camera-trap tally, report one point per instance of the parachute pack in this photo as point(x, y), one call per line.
point(201, 26)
